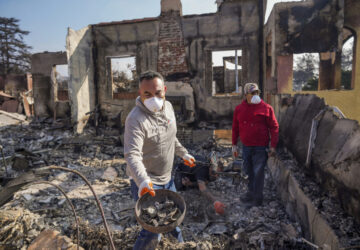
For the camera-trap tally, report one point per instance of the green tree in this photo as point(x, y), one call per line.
point(311, 84)
point(14, 53)
point(346, 76)
point(346, 63)
point(306, 72)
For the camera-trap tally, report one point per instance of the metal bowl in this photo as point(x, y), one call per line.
point(161, 196)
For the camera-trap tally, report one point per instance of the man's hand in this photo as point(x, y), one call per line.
point(189, 160)
point(235, 151)
point(272, 152)
point(146, 187)
point(219, 207)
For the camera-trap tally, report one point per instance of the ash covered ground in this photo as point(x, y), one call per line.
point(36, 207)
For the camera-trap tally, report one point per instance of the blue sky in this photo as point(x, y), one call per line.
point(48, 20)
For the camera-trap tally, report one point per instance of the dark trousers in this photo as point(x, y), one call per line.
point(148, 240)
point(255, 159)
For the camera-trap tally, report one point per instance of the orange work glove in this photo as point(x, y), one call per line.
point(189, 160)
point(219, 207)
point(235, 151)
point(146, 187)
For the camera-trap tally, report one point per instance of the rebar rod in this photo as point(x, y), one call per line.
point(96, 198)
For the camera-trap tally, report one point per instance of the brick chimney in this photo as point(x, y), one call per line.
point(171, 5)
point(219, 2)
point(171, 57)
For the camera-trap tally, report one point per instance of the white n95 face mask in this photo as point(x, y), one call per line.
point(255, 99)
point(154, 104)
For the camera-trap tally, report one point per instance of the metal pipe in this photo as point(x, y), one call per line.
point(70, 203)
point(96, 198)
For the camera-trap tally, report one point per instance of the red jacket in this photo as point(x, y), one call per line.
point(254, 123)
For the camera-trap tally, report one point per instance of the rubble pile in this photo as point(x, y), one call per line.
point(265, 227)
point(19, 227)
point(100, 159)
point(345, 226)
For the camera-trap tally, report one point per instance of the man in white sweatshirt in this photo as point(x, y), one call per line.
point(150, 145)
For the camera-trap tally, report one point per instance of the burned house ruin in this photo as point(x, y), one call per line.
point(312, 185)
point(179, 47)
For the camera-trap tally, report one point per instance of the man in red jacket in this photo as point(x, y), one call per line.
point(255, 123)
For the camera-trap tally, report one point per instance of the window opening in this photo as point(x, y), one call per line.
point(123, 75)
point(347, 63)
point(306, 71)
point(226, 79)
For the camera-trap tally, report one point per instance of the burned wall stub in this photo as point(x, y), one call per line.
point(180, 47)
point(42, 67)
point(335, 157)
point(15, 91)
point(12, 84)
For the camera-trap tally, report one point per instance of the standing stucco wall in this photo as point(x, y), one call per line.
point(323, 23)
point(81, 71)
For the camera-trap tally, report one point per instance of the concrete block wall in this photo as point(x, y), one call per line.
point(335, 159)
point(127, 38)
point(151, 40)
point(234, 26)
point(41, 66)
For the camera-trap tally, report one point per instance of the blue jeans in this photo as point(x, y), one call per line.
point(146, 239)
point(255, 159)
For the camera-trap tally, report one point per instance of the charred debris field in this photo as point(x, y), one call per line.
point(41, 207)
